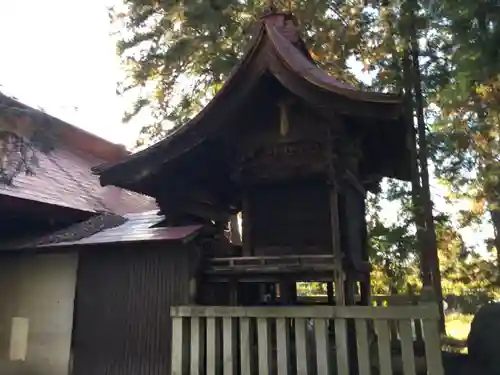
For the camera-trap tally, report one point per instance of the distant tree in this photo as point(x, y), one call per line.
point(466, 132)
point(23, 132)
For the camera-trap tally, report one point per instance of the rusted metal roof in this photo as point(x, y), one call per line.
point(109, 228)
point(139, 227)
point(64, 178)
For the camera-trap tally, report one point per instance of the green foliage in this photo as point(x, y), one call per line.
point(466, 131)
point(178, 54)
point(393, 245)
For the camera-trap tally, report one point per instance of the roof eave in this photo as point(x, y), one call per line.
point(111, 174)
point(299, 65)
point(306, 73)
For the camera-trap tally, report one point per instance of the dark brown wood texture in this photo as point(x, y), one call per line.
point(265, 154)
point(293, 216)
point(122, 320)
point(353, 228)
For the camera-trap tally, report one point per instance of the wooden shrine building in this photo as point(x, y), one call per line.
point(293, 150)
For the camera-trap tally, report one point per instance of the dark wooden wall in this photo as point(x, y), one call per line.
point(122, 310)
point(352, 212)
point(294, 216)
point(286, 200)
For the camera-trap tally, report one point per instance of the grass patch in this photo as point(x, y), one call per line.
point(458, 326)
point(457, 330)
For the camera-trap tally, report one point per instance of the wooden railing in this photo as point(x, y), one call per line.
point(381, 301)
point(377, 299)
point(212, 340)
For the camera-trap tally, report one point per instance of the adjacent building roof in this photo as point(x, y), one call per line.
point(108, 229)
point(276, 51)
point(63, 176)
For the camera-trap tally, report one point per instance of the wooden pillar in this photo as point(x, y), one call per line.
point(248, 294)
point(288, 291)
point(233, 292)
point(366, 292)
point(349, 285)
point(234, 230)
point(193, 290)
point(262, 292)
point(365, 282)
point(349, 289)
point(268, 292)
point(338, 274)
point(246, 223)
point(329, 292)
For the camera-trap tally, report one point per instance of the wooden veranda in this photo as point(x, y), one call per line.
point(212, 340)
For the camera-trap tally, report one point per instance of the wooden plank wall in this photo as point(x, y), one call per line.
point(301, 340)
point(122, 323)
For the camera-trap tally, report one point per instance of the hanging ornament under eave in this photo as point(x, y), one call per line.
point(284, 121)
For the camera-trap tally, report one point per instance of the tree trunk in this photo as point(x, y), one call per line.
point(491, 190)
point(427, 204)
point(415, 179)
point(429, 253)
point(495, 220)
point(393, 289)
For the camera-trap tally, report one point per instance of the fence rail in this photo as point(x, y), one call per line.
point(376, 300)
point(213, 340)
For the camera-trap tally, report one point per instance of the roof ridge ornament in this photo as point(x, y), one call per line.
point(270, 9)
point(280, 9)
point(284, 21)
point(271, 6)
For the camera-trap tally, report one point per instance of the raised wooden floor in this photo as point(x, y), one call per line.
point(271, 268)
point(271, 264)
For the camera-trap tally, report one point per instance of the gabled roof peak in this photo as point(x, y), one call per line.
point(285, 22)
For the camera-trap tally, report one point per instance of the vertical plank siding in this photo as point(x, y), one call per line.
point(303, 343)
point(122, 322)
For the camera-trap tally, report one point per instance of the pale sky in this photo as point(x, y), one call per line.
point(59, 55)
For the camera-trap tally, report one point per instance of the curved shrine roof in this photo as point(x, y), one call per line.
point(277, 49)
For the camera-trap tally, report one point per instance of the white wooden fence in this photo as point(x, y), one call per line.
point(213, 340)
